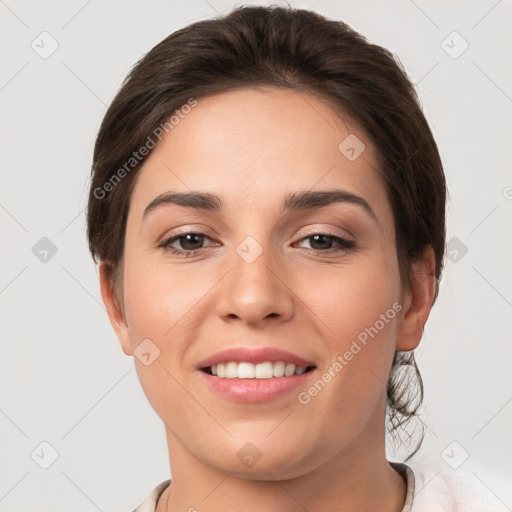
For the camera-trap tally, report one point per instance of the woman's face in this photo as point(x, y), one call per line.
point(319, 280)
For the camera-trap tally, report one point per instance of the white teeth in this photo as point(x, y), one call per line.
point(278, 369)
point(245, 371)
point(265, 370)
point(289, 370)
point(231, 370)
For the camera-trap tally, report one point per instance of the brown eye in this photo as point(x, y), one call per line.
point(188, 242)
point(322, 242)
point(185, 244)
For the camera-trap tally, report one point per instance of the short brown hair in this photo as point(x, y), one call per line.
point(299, 50)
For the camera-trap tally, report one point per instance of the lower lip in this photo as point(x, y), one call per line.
point(254, 390)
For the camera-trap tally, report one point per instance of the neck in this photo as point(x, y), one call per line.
point(357, 478)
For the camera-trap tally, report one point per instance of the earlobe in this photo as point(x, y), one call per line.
point(114, 309)
point(418, 302)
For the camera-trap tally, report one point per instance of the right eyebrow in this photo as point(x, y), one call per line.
point(198, 200)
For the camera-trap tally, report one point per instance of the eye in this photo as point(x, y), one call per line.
point(323, 242)
point(189, 242)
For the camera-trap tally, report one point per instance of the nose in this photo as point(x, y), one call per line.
point(255, 291)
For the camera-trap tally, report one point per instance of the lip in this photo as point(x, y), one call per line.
point(255, 390)
point(255, 356)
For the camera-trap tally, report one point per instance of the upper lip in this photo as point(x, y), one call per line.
point(253, 355)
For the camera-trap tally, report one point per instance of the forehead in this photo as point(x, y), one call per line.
point(251, 146)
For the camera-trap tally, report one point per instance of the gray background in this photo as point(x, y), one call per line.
point(64, 378)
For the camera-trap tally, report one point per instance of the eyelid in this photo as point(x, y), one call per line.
point(327, 231)
point(186, 230)
point(303, 231)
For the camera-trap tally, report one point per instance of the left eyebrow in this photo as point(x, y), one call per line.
point(309, 200)
point(294, 201)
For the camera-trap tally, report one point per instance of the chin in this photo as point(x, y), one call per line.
point(266, 460)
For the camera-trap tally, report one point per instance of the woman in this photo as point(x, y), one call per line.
point(276, 347)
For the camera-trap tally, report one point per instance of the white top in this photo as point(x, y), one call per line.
point(429, 489)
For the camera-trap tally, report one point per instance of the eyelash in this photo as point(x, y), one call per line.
point(346, 245)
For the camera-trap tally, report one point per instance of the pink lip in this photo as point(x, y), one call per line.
point(254, 390)
point(255, 356)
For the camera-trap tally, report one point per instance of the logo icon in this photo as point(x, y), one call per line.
point(455, 249)
point(351, 147)
point(44, 250)
point(44, 455)
point(454, 45)
point(454, 455)
point(249, 455)
point(44, 45)
point(146, 352)
point(249, 249)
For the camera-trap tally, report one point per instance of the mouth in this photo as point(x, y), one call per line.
point(263, 370)
point(250, 375)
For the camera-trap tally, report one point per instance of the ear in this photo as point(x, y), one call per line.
point(114, 309)
point(417, 302)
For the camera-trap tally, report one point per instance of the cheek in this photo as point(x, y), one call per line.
point(158, 298)
point(360, 304)
point(361, 310)
point(353, 296)
point(159, 303)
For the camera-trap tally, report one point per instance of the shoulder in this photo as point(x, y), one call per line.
point(149, 504)
point(474, 488)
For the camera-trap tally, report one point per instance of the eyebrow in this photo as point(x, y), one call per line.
point(296, 201)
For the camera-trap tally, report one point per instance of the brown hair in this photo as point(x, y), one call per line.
point(299, 50)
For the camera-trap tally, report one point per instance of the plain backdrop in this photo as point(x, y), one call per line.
point(65, 381)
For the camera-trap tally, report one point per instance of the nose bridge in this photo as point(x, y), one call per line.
point(253, 289)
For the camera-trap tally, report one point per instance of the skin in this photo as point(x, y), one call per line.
point(251, 147)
